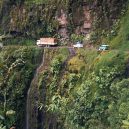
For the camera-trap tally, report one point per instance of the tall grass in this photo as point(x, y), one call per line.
point(121, 41)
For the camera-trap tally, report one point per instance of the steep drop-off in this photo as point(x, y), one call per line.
point(17, 66)
point(87, 91)
point(32, 101)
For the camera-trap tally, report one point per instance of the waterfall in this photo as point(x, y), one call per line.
point(32, 112)
point(32, 99)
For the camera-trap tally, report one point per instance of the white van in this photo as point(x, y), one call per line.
point(78, 45)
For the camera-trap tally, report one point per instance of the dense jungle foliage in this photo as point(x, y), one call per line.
point(88, 90)
point(92, 93)
point(17, 65)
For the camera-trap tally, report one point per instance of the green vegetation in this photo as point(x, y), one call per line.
point(74, 38)
point(87, 91)
point(121, 39)
point(36, 1)
point(91, 93)
point(17, 65)
point(21, 41)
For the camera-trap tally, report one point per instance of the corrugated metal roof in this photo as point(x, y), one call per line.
point(47, 41)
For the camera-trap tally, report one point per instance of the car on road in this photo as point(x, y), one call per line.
point(104, 47)
point(78, 45)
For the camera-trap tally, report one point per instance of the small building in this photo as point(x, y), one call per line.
point(47, 42)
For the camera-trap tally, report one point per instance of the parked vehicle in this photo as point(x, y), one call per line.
point(104, 47)
point(78, 45)
point(47, 42)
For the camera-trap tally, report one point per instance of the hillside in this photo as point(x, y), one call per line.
point(63, 87)
point(57, 18)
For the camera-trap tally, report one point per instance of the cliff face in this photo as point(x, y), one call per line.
point(74, 92)
point(51, 18)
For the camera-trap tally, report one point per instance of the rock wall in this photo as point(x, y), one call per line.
point(63, 23)
point(58, 18)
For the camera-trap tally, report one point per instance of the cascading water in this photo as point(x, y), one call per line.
point(32, 112)
point(32, 100)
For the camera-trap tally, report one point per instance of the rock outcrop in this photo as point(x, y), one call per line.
point(52, 18)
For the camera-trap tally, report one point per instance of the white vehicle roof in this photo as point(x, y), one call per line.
point(104, 45)
point(78, 45)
